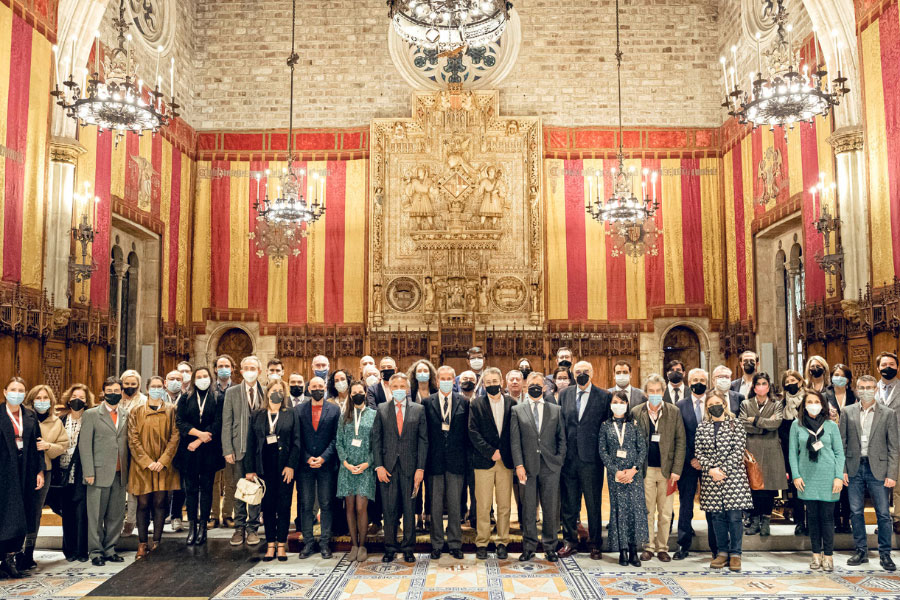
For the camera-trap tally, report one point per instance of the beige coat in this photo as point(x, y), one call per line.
point(152, 437)
point(54, 433)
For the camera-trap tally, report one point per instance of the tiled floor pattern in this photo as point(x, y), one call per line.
point(765, 575)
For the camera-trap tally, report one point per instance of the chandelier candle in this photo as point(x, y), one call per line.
point(97, 53)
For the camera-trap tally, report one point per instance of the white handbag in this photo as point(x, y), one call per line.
point(251, 492)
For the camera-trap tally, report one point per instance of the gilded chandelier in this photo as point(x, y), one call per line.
point(447, 25)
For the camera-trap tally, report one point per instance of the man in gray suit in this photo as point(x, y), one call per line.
point(240, 402)
point(869, 432)
point(538, 442)
point(399, 451)
point(622, 375)
point(888, 393)
point(103, 449)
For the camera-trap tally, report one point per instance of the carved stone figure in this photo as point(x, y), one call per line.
point(491, 196)
point(457, 150)
point(483, 305)
point(429, 295)
point(421, 195)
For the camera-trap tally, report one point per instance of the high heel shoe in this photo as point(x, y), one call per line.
point(623, 558)
point(282, 552)
point(201, 534)
point(633, 559)
point(267, 557)
point(192, 533)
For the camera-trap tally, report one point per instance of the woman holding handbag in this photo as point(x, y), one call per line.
point(817, 464)
point(720, 445)
point(273, 454)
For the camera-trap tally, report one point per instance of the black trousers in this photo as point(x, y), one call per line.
point(467, 497)
point(177, 504)
point(321, 484)
point(276, 508)
point(842, 508)
point(396, 497)
point(74, 523)
point(582, 479)
point(687, 490)
point(198, 493)
point(763, 502)
point(820, 519)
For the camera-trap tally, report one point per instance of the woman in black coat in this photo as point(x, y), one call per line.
point(71, 496)
point(21, 471)
point(838, 396)
point(199, 455)
point(273, 454)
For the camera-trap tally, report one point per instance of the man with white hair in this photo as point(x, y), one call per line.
point(240, 401)
point(721, 377)
point(515, 385)
point(364, 362)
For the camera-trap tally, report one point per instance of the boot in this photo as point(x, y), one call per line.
point(752, 527)
point(764, 530)
point(633, 559)
point(8, 567)
point(201, 534)
point(25, 559)
point(623, 559)
point(720, 561)
point(192, 533)
point(816, 563)
point(142, 551)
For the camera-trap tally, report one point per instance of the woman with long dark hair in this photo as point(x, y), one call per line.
point(72, 498)
point(356, 478)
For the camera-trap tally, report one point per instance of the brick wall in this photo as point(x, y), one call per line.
point(565, 71)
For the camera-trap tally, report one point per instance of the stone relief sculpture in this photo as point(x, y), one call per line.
point(492, 192)
point(420, 198)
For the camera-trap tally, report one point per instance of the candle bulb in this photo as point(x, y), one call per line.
point(653, 179)
point(816, 47)
point(55, 50)
point(734, 66)
point(97, 53)
point(172, 78)
point(758, 54)
point(95, 223)
point(790, 29)
point(724, 74)
point(158, 54)
point(733, 82)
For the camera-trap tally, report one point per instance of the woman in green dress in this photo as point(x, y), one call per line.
point(356, 478)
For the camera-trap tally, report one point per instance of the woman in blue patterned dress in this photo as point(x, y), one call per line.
point(623, 451)
point(356, 478)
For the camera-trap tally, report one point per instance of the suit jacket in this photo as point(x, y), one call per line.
point(893, 401)
point(583, 435)
point(668, 397)
point(636, 398)
point(101, 442)
point(736, 386)
point(537, 450)
point(390, 448)
point(287, 428)
point(447, 450)
point(375, 395)
point(17, 489)
point(318, 442)
point(484, 436)
point(882, 440)
point(735, 399)
point(208, 457)
point(672, 438)
point(236, 419)
point(689, 418)
point(849, 399)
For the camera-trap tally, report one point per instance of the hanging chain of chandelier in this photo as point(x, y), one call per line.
point(447, 25)
point(116, 100)
point(630, 221)
point(791, 91)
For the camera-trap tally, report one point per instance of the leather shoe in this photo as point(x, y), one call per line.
point(551, 556)
point(663, 557)
point(409, 557)
point(326, 551)
point(457, 554)
point(481, 553)
point(568, 549)
point(502, 552)
point(858, 558)
point(596, 554)
point(98, 561)
point(435, 554)
point(308, 550)
point(886, 563)
point(114, 558)
point(897, 527)
point(623, 558)
point(646, 555)
point(526, 556)
point(681, 554)
point(388, 557)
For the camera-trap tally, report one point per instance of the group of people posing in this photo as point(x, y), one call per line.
point(428, 443)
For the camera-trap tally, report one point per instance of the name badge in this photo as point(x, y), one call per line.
point(19, 443)
point(356, 443)
point(818, 446)
point(271, 439)
point(864, 439)
point(622, 453)
point(445, 426)
point(654, 438)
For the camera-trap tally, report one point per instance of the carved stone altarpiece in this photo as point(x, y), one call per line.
point(456, 226)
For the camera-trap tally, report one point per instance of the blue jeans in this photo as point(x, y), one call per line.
point(728, 525)
point(317, 484)
point(859, 483)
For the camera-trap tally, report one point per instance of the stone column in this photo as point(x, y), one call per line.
point(64, 154)
point(852, 207)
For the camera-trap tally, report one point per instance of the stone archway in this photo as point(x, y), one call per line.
point(653, 354)
point(682, 343)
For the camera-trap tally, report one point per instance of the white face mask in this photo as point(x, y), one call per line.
point(623, 379)
point(372, 380)
point(186, 377)
point(813, 410)
point(340, 386)
point(618, 409)
point(476, 363)
point(202, 384)
point(250, 376)
point(274, 376)
point(723, 384)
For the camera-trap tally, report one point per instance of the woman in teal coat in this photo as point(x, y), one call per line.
point(816, 454)
point(356, 478)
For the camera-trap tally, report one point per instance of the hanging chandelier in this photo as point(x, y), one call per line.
point(446, 25)
point(791, 92)
point(285, 219)
point(629, 220)
point(116, 103)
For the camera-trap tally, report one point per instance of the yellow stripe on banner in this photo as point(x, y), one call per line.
point(239, 243)
point(6, 17)
point(36, 164)
point(119, 168)
point(673, 249)
point(876, 139)
point(555, 209)
point(710, 203)
point(795, 161)
point(276, 300)
point(165, 209)
point(315, 264)
point(748, 176)
point(354, 241)
point(181, 313)
point(595, 246)
point(768, 141)
point(635, 271)
point(202, 245)
point(734, 310)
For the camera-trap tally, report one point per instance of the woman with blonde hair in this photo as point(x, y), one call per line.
point(53, 441)
point(72, 498)
point(816, 374)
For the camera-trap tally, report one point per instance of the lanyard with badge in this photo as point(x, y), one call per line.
point(445, 414)
point(621, 452)
point(817, 445)
point(357, 415)
point(655, 421)
point(272, 438)
point(18, 425)
point(202, 404)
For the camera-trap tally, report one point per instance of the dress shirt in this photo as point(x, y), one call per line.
point(539, 403)
point(585, 394)
point(681, 391)
point(497, 411)
point(866, 416)
point(445, 406)
point(316, 414)
point(699, 403)
point(745, 387)
point(885, 389)
point(402, 406)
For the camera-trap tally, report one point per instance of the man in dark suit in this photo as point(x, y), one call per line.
point(584, 408)
point(380, 392)
point(675, 389)
point(692, 411)
point(489, 433)
point(475, 358)
point(538, 446)
point(448, 443)
point(622, 375)
point(749, 364)
point(400, 451)
point(721, 377)
point(318, 469)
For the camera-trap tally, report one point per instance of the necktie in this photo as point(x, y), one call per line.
point(115, 417)
point(697, 411)
point(444, 414)
point(677, 394)
point(537, 419)
point(250, 395)
point(399, 419)
point(578, 400)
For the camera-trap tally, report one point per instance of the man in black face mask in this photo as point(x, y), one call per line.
point(676, 389)
point(749, 364)
point(564, 358)
point(381, 391)
point(887, 393)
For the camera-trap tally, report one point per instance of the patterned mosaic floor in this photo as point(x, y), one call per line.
point(765, 575)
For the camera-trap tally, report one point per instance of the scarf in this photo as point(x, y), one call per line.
point(792, 405)
point(813, 426)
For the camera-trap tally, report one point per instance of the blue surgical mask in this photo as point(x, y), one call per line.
point(423, 377)
point(156, 393)
point(42, 406)
point(174, 386)
point(398, 395)
point(655, 399)
point(446, 386)
point(15, 398)
point(323, 373)
point(840, 381)
point(224, 373)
